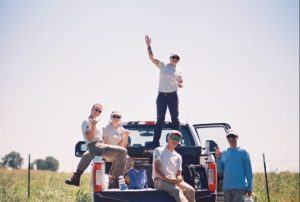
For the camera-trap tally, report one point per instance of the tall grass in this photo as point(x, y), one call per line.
point(45, 186)
point(50, 186)
point(283, 187)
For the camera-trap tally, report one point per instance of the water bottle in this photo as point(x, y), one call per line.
point(122, 185)
point(197, 181)
point(248, 199)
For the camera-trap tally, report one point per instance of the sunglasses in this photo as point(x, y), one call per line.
point(175, 138)
point(98, 110)
point(116, 117)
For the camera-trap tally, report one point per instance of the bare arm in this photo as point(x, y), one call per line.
point(91, 133)
point(150, 53)
point(178, 175)
point(124, 142)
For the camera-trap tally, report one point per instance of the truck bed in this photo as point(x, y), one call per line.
point(146, 195)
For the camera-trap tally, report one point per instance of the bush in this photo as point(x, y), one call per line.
point(13, 160)
point(50, 163)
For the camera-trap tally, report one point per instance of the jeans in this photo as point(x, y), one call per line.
point(110, 153)
point(234, 195)
point(164, 101)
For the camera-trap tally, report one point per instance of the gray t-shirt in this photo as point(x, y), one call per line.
point(86, 126)
point(171, 162)
point(167, 78)
point(113, 135)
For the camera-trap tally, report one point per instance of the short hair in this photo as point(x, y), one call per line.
point(97, 104)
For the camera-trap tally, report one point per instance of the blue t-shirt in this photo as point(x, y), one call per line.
point(236, 167)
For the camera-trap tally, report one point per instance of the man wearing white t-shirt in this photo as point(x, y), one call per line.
point(170, 79)
point(167, 167)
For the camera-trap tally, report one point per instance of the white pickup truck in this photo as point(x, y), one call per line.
point(197, 150)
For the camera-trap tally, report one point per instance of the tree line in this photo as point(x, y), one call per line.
point(14, 160)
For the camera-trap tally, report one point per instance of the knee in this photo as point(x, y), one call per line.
point(191, 191)
point(123, 152)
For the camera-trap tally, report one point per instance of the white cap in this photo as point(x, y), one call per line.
point(116, 113)
point(174, 54)
point(231, 132)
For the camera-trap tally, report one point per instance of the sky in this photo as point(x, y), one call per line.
point(239, 61)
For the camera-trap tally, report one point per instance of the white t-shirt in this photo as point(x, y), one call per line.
point(87, 126)
point(167, 78)
point(113, 135)
point(171, 162)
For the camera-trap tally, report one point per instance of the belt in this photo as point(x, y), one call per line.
point(166, 94)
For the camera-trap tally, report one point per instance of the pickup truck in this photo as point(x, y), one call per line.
point(197, 149)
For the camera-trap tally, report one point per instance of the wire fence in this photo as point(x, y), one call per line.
point(273, 165)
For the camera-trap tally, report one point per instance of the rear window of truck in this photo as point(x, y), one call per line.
point(140, 134)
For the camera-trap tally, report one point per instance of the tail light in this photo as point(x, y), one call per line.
point(98, 174)
point(212, 176)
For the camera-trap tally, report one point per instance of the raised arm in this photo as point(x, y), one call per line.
point(150, 53)
point(89, 132)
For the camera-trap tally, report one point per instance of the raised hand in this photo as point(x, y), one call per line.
point(147, 40)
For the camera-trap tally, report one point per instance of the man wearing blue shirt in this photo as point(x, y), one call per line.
point(235, 165)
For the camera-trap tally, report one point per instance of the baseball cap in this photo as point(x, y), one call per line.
point(174, 55)
point(175, 132)
point(116, 113)
point(232, 133)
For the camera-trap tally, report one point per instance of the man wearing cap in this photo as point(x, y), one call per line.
point(170, 80)
point(167, 167)
point(234, 163)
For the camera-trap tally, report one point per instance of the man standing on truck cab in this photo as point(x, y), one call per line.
point(166, 172)
point(170, 80)
point(235, 165)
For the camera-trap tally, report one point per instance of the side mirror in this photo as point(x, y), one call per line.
point(210, 146)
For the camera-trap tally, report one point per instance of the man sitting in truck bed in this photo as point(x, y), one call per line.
point(167, 167)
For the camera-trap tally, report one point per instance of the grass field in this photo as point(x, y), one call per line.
point(50, 186)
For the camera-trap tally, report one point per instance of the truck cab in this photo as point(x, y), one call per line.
point(197, 149)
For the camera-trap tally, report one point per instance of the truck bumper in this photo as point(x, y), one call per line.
point(147, 195)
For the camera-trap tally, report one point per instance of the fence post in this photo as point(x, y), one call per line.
point(266, 177)
point(28, 179)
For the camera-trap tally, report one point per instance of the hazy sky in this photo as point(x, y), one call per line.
point(239, 62)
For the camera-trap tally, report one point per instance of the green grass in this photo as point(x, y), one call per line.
point(283, 187)
point(50, 186)
point(45, 186)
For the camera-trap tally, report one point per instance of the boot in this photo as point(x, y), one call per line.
point(75, 179)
